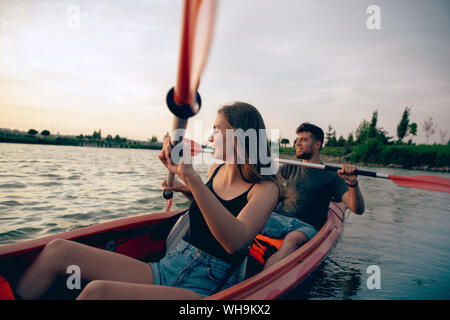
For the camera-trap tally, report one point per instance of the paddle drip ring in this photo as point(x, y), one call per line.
point(181, 111)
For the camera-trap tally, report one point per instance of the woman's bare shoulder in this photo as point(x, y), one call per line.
point(266, 188)
point(212, 168)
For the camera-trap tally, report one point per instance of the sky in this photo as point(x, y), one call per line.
point(295, 60)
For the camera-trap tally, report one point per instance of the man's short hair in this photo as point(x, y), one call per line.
point(315, 131)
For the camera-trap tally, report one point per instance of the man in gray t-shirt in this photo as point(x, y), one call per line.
point(308, 193)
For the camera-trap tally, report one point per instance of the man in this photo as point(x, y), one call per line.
point(308, 193)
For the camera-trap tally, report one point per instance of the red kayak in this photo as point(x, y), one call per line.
point(143, 237)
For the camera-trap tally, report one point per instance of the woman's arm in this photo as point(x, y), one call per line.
point(181, 187)
point(178, 187)
point(234, 233)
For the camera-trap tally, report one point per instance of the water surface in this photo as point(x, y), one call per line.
point(51, 189)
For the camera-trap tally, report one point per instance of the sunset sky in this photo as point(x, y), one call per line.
point(295, 60)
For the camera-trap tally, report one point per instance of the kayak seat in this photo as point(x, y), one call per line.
point(5, 290)
point(178, 231)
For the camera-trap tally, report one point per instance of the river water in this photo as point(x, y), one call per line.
point(405, 232)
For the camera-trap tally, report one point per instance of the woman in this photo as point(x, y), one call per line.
point(225, 215)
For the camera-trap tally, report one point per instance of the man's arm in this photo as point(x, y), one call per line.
point(352, 198)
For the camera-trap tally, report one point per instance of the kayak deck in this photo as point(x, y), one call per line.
point(143, 237)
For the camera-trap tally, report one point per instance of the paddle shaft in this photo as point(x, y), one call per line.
point(183, 100)
point(332, 168)
point(176, 125)
point(425, 182)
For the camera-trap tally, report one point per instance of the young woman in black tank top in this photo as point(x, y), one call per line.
point(226, 214)
point(233, 206)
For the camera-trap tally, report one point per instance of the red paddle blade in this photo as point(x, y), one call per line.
point(194, 146)
point(433, 183)
point(197, 29)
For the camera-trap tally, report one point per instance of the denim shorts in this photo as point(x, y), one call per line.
point(279, 226)
point(188, 267)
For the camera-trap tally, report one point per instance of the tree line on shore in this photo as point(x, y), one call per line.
point(371, 144)
point(45, 137)
point(369, 130)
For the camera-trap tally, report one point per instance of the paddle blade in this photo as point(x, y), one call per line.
point(197, 29)
point(193, 146)
point(433, 183)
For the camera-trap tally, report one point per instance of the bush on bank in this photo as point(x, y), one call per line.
point(407, 156)
point(375, 152)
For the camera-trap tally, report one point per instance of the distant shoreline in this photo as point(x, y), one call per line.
point(345, 160)
point(65, 141)
point(285, 153)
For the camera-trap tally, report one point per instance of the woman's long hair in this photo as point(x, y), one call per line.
point(241, 115)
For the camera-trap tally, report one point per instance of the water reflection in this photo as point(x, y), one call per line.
point(330, 281)
point(50, 189)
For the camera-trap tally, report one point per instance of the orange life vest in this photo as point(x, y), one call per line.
point(263, 247)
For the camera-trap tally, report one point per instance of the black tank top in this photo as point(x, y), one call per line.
point(199, 234)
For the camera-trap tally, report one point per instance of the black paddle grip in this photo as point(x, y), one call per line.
point(181, 111)
point(167, 194)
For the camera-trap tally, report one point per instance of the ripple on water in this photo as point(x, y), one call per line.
point(11, 203)
point(76, 216)
point(12, 185)
point(56, 230)
point(49, 184)
point(20, 233)
point(51, 175)
point(43, 208)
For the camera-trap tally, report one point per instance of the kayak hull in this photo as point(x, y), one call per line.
point(284, 276)
point(143, 237)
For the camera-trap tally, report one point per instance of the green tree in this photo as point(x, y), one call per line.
point(97, 135)
point(404, 128)
point(118, 139)
point(341, 141)
point(154, 139)
point(349, 142)
point(362, 132)
point(372, 133)
point(382, 136)
point(33, 132)
point(331, 137)
point(45, 133)
point(369, 130)
point(284, 141)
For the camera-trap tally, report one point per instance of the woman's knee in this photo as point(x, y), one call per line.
point(55, 247)
point(55, 251)
point(95, 290)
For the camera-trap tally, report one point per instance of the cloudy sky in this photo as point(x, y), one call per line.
point(296, 60)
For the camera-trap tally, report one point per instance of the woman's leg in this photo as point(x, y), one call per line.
point(94, 264)
point(113, 290)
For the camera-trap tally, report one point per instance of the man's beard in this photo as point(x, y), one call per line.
point(305, 155)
